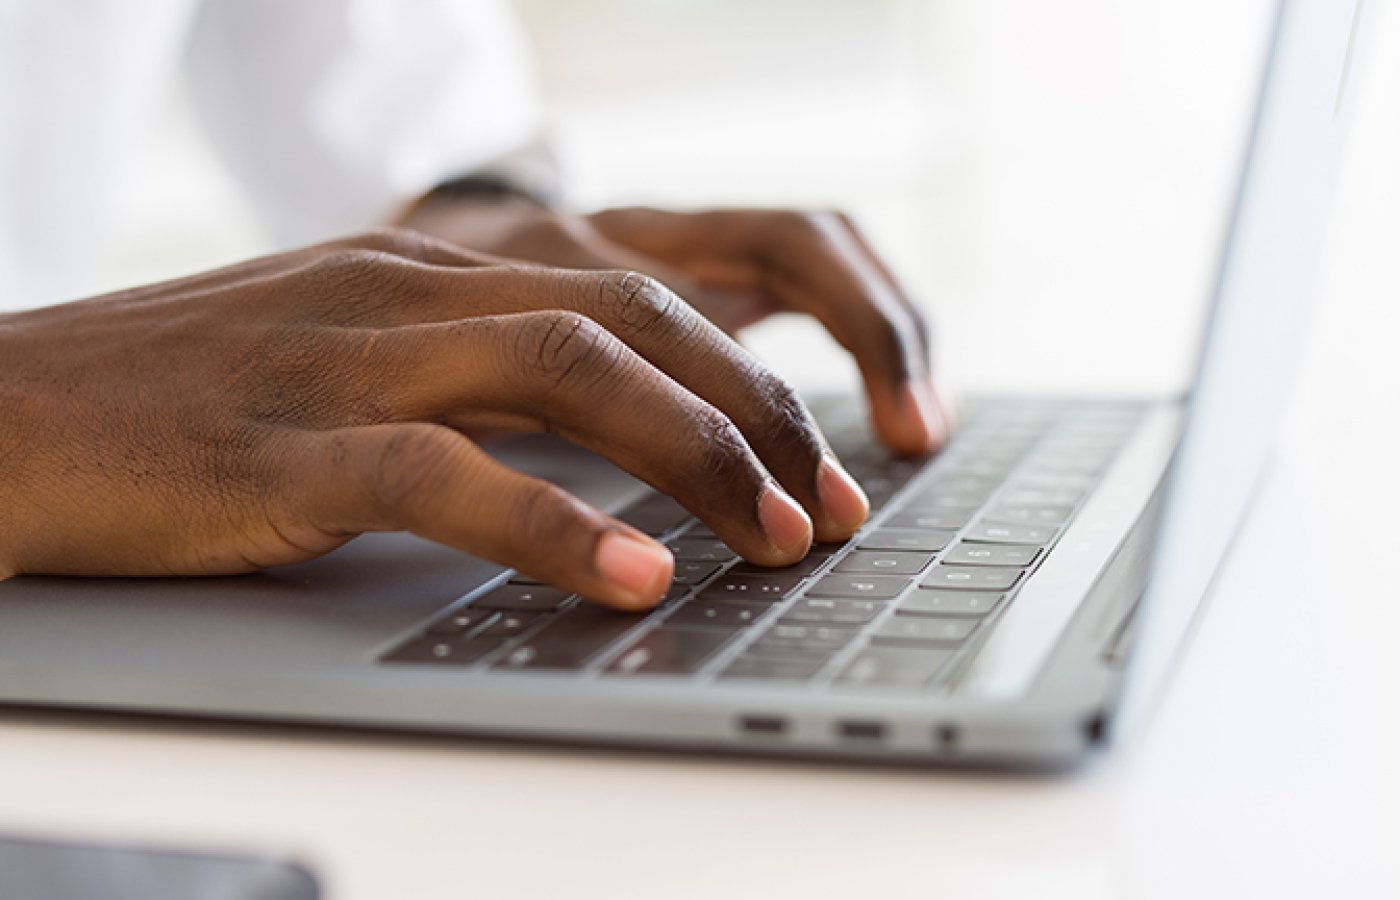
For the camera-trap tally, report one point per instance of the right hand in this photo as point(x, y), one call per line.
point(266, 413)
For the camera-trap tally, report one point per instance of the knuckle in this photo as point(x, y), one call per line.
point(355, 272)
point(790, 235)
point(540, 516)
point(803, 225)
point(886, 338)
point(789, 428)
point(725, 457)
point(636, 302)
point(560, 346)
point(410, 468)
point(398, 241)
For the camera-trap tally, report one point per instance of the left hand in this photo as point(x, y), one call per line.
point(737, 267)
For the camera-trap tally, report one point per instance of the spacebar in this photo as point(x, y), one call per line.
point(570, 639)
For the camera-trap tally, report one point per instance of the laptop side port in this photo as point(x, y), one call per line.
point(861, 730)
point(1096, 729)
point(768, 726)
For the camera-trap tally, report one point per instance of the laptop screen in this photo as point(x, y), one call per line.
point(1258, 315)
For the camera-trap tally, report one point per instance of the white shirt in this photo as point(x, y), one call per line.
point(328, 112)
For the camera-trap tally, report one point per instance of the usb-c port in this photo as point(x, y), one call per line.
point(862, 730)
point(766, 725)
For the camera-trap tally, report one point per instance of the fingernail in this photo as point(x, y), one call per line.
point(843, 501)
point(785, 523)
point(641, 568)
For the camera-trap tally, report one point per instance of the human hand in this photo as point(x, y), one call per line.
point(737, 267)
point(266, 413)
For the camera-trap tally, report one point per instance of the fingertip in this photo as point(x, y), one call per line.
point(637, 568)
point(785, 524)
point(906, 420)
point(933, 411)
point(844, 504)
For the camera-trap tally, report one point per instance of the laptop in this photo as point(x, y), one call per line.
point(1015, 601)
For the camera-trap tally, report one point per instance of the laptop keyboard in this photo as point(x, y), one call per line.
point(949, 543)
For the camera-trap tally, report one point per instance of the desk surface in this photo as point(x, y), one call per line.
point(1269, 770)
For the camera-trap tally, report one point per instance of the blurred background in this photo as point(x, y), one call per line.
point(1048, 179)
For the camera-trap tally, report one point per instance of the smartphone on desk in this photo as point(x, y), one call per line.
point(41, 869)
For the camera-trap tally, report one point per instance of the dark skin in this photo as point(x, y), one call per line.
point(266, 413)
point(738, 267)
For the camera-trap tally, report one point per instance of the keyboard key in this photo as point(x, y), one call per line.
point(522, 598)
point(1031, 479)
point(699, 549)
point(1009, 514)
point(773, 668)
point(883, 562)
point(443, 649)
point(1088, 429)
point(960, 481)
point(924, 521)
point(1003, 451)
point(676, 592)
point(570, 639)
point(894, 539)
point(510, 624)
point(1085, 440)
point(802, 568)
point(965, 554)
point(876, 587)
point(871, 467)
point(831, 611)
point(992, 472)
point(654, 514)
point(1067, 463)
point(718, 614)
point(938, 501)
point(692, 572)
point(1039, 497)
point(896, 666)
point(878, 491)
point(462, 621)
point(925, 602)
point(751, 587)
point(787, 640)
point(971, 578)
point(924, 630)
point(1010, 534)
point(670, 651)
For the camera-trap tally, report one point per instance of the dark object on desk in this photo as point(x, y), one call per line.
point(52, 870)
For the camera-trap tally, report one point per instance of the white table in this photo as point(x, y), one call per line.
point(1270, 770)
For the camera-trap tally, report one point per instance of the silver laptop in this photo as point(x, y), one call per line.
point(1009, 603)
